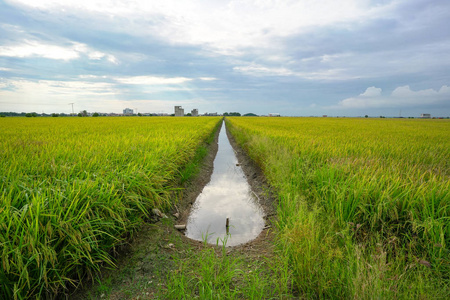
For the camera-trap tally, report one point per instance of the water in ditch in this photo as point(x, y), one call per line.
point(227, 195)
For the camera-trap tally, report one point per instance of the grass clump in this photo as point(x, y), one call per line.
point(215, 272)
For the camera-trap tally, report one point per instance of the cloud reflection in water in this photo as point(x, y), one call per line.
point(227, 195)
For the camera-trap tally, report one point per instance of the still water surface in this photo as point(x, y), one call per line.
point(227, 195)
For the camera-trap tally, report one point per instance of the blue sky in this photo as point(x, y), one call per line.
point(296, 58)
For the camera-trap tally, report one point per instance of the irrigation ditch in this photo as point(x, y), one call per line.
point(161, 262)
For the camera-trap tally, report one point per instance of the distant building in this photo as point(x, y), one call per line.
point(211, 114)
point(274, 115)
point(324, 116)
point(425, 116)
point(127, 112)
point(194, 112)
point(179, 111)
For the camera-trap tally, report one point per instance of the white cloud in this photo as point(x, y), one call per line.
point(259, 70)
point(112, 59)
point(371, 92)
point(33, 48)
point(49, 88)
point(401, 97)
point(329, 74)
point(96, 55)
point(224, 26)
point(284, 42)
point(89, 76)
point(152, 80)
point(55, 96)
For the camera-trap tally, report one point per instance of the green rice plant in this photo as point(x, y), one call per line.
point(215, 273)
point(73, 189)
point(360, 202)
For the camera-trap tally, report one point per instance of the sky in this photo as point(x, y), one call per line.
point(296, 58)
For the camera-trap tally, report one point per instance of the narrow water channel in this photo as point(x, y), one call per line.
point(227, 195)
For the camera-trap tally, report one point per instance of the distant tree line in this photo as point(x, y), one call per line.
point(236, 114)
point(14, 114)
point(232, 114)
point(84, 113)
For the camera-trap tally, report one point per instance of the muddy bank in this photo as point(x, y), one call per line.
point(194, 187)
point(254, 178)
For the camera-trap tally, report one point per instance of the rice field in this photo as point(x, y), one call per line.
point(72, 189)
point(363, 204)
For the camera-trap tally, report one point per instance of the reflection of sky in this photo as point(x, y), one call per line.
point(227, 195)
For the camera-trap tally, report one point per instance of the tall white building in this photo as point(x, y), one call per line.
point(179, 111)
point(128, 112)
point(194, 112)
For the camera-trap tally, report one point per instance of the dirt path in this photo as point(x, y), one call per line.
point(144, 264)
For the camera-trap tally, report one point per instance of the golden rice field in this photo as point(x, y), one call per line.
point(363, 204)
point(71, 188)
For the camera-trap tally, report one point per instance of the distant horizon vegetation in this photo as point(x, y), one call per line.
point(84, 113)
